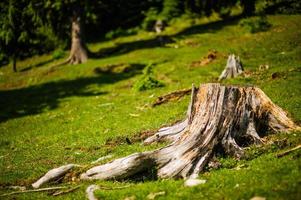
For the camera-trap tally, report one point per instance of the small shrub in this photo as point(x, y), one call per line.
point(228, 162)
point(57, 54)
point(281, 6)
point(256, 24)
point(151, 16)
point(225, 12)
point(147, 80)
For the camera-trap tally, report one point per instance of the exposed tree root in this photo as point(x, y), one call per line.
point(90, 192)
point(53, 174)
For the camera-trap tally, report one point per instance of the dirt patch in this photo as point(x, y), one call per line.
point(210, 57)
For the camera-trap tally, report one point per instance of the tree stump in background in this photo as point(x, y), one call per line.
point(233, 68)
point(159, 26)
point(219, 118)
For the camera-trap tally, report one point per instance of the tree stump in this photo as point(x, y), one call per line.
point(159, 26)
point(219, 118)
point(233, 68)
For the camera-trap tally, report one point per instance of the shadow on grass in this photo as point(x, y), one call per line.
point(123, 48)
point(37, 65)
point(211, 27)
point(163, 40)
point(36, 99)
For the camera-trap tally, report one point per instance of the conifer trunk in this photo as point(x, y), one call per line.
point(78, 53)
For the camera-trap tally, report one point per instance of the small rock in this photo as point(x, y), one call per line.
point(154, 195)
point(191, 182)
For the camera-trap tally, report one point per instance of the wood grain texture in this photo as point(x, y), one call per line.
point(233, 68)
point(219, 117)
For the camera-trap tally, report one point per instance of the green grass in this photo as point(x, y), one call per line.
point(54, 116)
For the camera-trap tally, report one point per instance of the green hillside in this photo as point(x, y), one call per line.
point(53, 115)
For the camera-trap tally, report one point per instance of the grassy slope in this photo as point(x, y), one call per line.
point(54, 116)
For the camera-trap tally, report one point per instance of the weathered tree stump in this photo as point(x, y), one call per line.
point(159, 26)
point(219, 118)
point(233, 68)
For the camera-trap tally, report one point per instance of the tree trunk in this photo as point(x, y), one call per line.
point(248, 7)
point(78, 53)
point(226, 118)
point(15, 63)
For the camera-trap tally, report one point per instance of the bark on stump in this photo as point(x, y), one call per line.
point(233, 68)
point(218, 117)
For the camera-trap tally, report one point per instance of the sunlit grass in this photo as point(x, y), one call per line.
point(53, 116)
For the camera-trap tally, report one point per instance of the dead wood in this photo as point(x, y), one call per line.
point(90, 192)
point(219, 117)
point(288, 151)
point(233, 68)
point(53, 174)
point(159, 26)
point(65, 191)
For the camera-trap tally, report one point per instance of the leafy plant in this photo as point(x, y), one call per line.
point(57, 54)
point(147, 80)
point(151, 16)
point(282, 6)
point(256, 24)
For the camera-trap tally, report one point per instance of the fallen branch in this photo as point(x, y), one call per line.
point(35, 190)
point(66, 191)
point(113, 188)
point(288, 151)
point(171, 96)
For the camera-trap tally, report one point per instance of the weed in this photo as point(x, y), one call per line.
point(147, 80)
point(57, 54)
